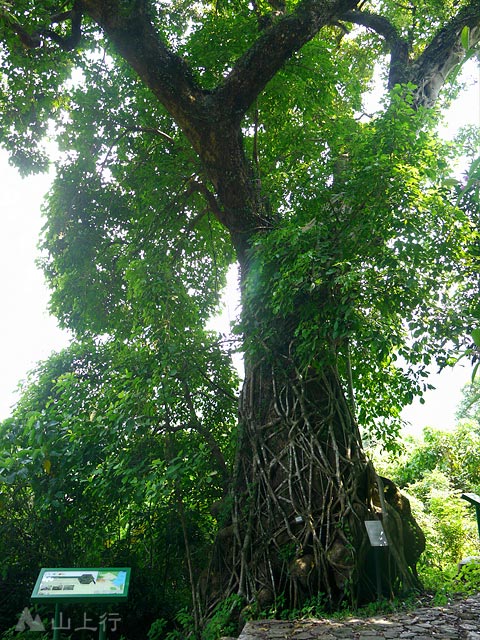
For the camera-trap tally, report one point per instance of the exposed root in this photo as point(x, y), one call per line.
point(303, 489)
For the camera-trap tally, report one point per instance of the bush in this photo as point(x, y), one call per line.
point(433, 472)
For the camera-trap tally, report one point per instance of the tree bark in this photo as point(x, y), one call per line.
point(302, 491)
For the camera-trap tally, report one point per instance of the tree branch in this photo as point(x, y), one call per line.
point(398, 46)
point(430, 70)
point(129, 27)
point(444, 53)
point(68, 43)
point(75, 15)
point(379, 24)
point(257, 66)
point(211, 119)
point(29, 40)
point(212, 201)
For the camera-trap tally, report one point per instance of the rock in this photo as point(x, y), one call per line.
point(265, 598)
point(468, 560)
point(301, 568)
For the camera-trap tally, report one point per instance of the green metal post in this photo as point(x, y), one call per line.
point(56, 623)
point(477, 509)
point(378, 572)
point(102, 634)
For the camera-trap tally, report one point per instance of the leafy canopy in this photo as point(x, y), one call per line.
point(373, 249)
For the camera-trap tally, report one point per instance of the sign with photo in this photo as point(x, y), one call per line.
point(82, 584)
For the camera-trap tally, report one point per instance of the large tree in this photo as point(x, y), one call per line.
point(194, 135)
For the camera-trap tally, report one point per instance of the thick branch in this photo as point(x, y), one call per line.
point(211, 120)
point(273, 48)
point(170, 78)
point(68, 43)
point(29, 40)
point(444, 53)
point(379, 24)
point(398, 46)
point(129, 27)
point(430, 70)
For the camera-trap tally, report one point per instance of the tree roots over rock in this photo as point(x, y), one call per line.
point(302, 492)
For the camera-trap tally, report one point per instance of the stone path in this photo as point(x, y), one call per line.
point(459, 621)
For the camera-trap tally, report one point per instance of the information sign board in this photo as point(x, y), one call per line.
point(475, 500)
point(82, 585)
point(472, 498)
point(376, 534)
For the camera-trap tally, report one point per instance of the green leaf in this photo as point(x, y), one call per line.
point(474, 372)
point(476, 336)
point(465, 38)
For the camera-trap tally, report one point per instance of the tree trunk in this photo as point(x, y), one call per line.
point(302, 491)
point(302, 486)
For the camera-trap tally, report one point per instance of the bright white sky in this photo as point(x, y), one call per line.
point(28, 334)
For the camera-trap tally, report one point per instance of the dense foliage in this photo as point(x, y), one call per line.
point(435, 470)
point(100, 468)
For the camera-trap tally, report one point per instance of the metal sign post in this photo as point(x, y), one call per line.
point(56, 622)
point(87, 585)
point(378, 539)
